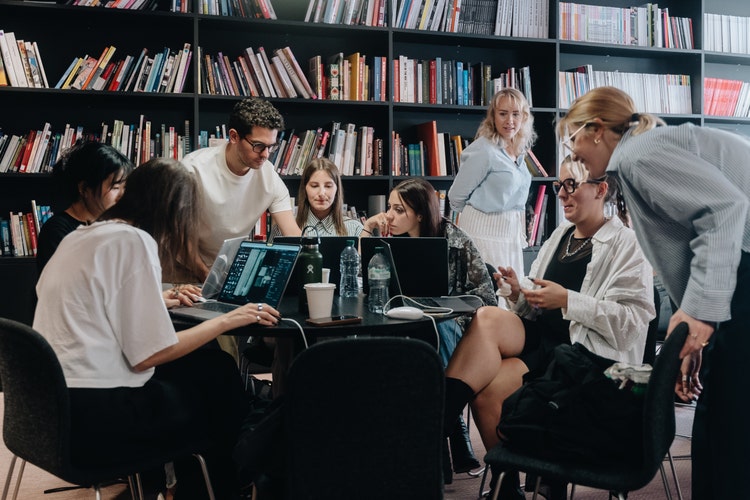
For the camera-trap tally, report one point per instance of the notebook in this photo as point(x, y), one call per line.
point(419, 270)
point(259, 273)
point(330, 247)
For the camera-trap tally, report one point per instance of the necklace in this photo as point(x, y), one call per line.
point(568, 253)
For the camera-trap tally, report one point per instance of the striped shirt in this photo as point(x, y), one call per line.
point(326, 227)
point(686, 188)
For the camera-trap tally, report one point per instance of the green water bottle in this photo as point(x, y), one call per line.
point(309, 264)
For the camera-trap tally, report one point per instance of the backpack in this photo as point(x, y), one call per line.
point(574, 412)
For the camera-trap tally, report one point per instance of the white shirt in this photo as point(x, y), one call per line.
point(100, 305)
point(610, 314)
point(232, 204)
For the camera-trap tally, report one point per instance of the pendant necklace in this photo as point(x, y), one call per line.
point(568, 253)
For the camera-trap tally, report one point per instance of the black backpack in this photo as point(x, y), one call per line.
point(574, 412)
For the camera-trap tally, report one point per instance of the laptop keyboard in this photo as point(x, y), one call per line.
point(220, 307)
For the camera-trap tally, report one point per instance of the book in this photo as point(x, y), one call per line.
point(297, 70)
point(427, 133)
point(10, 70)
point(541, 172)
point(537, 213)
point(288, 75)
point(333, 74)
point(15, 57)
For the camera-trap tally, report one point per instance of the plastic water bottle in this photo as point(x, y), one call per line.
point(379, 279)
point(348, 286)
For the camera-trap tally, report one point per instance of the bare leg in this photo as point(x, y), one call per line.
point(493, 334)
point(488, 404)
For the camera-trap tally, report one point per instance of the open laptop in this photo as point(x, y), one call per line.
point(220, 268)
point(330, 247)
point(419, 270)
point(259, 273)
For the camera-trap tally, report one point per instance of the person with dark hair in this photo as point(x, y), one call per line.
point(320, 201)
point(239, 183)
point(135, 383)
point(687, 190)
point(592, 285)
point(414, 211)
point(492, 185)
point(91, 178)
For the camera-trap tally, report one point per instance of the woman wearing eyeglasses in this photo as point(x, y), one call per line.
point(591, 284)
point(687, 188)
point(492, 185)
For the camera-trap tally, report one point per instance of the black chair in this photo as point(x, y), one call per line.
point(363, 419)
point(36, 422)
point(616, 476)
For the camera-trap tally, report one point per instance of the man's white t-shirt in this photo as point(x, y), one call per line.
point(233, 203)
point(100, 305)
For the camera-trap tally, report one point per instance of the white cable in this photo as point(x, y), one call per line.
point(301, 330)
point(445, 311)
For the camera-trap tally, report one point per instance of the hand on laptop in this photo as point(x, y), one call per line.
point(251, 313)
point(185, 295)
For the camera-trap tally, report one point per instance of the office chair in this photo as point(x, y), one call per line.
point(371, 408)
point(616, 476)
point(36, 423)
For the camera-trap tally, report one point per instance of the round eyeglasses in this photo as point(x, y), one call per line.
point(570, 185)
point(259, 147)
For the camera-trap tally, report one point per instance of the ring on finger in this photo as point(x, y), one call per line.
point(258, 318)
point(260, 306)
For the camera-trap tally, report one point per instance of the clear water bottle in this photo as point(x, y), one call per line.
point(348, 286)
point(379, 279)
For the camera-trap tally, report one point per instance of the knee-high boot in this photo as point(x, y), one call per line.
point(462, 453)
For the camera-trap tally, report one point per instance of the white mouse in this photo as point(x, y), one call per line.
point(405, 313)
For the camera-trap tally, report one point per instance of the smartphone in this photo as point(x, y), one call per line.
point(343, 319)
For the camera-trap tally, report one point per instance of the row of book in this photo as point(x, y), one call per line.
point(166, 71)
point(175, 5)
point(254, 74)
point(350, 12)
point(19, 232)
point(439, 81)
point(726, 33)
point(20, 62)
point(252, 9)
point(646, 26)
point(723, 97)
point(652, 93)
point(38, 150)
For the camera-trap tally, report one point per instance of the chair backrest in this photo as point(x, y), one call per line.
point(36, 422)
point(363, 419)
point(659, 420)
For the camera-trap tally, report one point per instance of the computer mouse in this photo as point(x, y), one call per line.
point(405, 312)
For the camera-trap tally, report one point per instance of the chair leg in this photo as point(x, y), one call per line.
point(674, 474)
point(8, 477)
point(665, 481)
point(536, 487)
point(18, 479)
point(206, 477)
point(572, 491)
point(496, 490)
point(98, 492)
point(481, 485)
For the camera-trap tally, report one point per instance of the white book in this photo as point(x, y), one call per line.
point(41, 66)
point(9, 151)
point(40, 148)
point(8, 61)
point(15, 56)
point(182, 68)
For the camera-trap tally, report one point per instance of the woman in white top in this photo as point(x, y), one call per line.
point(492, 185)
point(136, 384)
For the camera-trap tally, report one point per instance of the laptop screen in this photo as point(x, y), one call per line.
point(330, 247)
point(259, 273)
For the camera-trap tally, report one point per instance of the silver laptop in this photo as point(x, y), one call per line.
point(220, 268)
point(259, 273)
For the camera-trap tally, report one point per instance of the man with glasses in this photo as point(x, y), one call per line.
point(239, 183)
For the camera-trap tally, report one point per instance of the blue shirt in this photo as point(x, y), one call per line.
point(686, 188)
point(489, 180)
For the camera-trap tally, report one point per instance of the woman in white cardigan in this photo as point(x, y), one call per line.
point(590, 283)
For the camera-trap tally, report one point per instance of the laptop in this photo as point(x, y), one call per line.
point(330, 247)
point(220, 268)
point(419, 270)
point(259, 272)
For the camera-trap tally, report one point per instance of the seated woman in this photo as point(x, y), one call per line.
point(320, 200)
point(414, 210)
point(592, 285)
point(135, 384)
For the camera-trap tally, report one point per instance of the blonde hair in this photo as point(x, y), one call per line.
point(526, 135)
point(613, 107)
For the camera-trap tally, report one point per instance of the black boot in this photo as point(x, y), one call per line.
point(462, 452)
point(457, 394)
point(447, 472)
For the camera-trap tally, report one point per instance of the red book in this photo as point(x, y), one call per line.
point(537, 213)
point(32, 231)
point(427, 133)
point(24, 158)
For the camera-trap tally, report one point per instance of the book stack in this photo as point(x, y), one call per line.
point(350, 12)
point(18, 233)
point(723, 97)
point(251, 9)
point(726, 33)
point(165, 72)
point(20, 63)
point(522, 18)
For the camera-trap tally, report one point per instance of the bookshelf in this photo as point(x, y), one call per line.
point(63, 32)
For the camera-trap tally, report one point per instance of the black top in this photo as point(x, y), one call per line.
point(50, 236)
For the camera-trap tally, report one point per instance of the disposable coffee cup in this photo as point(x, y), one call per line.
point(319, 299)
point(326, 274)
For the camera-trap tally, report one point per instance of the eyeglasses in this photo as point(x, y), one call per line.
point(570, 185)
point(259, 147)
point(567, 142)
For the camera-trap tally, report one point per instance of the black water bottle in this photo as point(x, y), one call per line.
point(309, 264)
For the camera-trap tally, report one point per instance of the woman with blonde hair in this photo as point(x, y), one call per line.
point(492, 184)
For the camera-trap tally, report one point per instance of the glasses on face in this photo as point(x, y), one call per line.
point(259, 147)
point(567, 143)
point(570, 185)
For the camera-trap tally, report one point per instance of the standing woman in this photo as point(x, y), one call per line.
point(91, 176)
point(320, 200)
point(686, 188)
point(492, 185)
